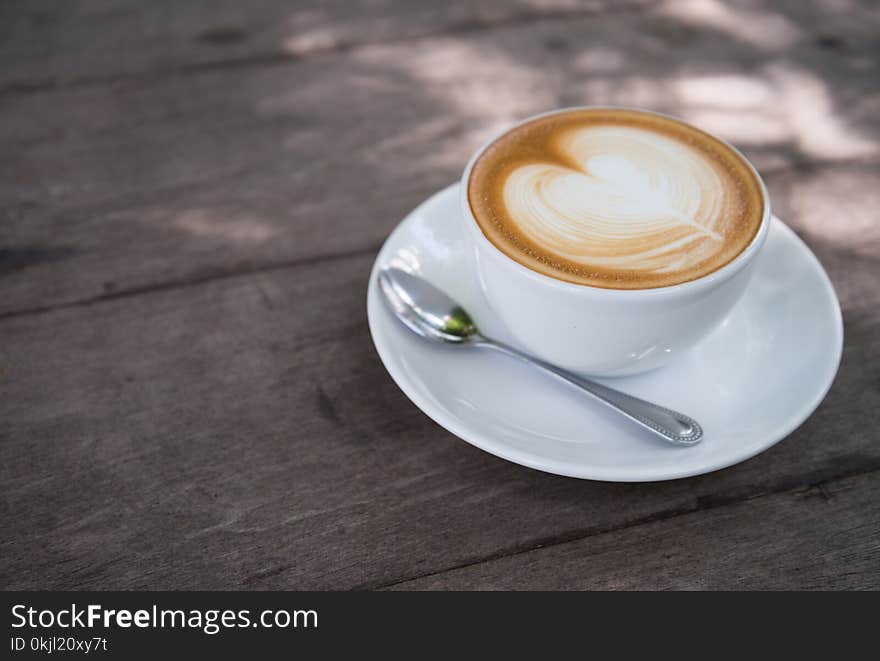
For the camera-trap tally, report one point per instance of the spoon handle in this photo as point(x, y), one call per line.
point(671, 425)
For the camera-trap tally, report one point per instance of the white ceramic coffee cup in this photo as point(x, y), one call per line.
point(606, 332)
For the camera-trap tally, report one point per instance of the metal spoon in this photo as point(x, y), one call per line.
point(430, 313)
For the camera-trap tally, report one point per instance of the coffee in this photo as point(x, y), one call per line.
point(615, 198)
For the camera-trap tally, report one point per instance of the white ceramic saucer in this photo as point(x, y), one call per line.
point(750, 383)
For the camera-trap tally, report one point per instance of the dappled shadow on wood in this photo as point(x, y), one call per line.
point(203, 172)
point(222, 419)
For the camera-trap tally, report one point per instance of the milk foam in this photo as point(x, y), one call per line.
point(615, 198)
point(630, 199)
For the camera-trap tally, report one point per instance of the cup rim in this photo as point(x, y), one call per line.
point(691, 286)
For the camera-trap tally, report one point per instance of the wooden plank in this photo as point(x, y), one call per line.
point(822, 538)
point(140, 183)
point(84, 41)
point(178, 425)
point(242, 433)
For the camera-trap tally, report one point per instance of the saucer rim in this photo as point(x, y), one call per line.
point(531, 460)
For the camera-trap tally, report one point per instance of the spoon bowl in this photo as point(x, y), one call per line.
point(426, 310)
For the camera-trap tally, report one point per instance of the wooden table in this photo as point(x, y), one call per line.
point(192, 196)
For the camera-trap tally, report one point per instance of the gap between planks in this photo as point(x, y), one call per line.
point(700, 505)
point(192, 282)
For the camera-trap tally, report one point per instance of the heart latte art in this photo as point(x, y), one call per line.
point(615, 198)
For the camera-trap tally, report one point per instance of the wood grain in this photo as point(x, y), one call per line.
point(191, 196)
point(137, 183)
point(242, 433)
point(823, 538)
point(85, 41)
